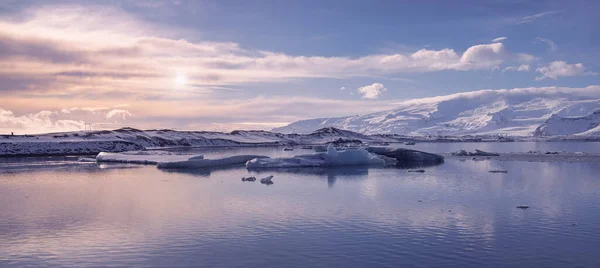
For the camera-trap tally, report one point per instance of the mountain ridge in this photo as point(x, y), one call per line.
point(511, 112)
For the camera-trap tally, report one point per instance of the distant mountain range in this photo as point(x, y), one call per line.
point(538, 112)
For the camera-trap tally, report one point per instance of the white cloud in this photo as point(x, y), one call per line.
point(342, 88)
point(118, 114)
point(550, 43)
point(528, 19)
point(524, 57)
point(64, 45)
point(499, 39)
point(520, 68)
point(483, 56)
point(561, 68)
point(67, 119)
point(372, 91)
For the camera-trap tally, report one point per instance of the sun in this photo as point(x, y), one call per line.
point(180, 79)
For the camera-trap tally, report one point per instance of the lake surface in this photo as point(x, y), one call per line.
point(56, 212)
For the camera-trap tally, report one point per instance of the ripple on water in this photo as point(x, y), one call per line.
point(86, 215)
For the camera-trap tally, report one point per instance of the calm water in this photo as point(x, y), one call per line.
point(57, 212)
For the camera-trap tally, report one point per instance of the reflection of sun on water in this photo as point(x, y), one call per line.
point(180, 80)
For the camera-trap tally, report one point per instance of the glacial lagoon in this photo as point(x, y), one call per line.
point(58, 212)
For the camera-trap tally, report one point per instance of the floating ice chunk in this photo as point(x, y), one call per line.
point(249, 178)
point(350, 157)
point(207, 163)
point(267, 180)
point(196, 157)
point(141, 157)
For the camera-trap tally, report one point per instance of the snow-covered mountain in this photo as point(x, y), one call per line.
point(581, 126)
point(516, 112)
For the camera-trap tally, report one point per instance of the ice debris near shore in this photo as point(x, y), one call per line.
point(476, 153)
point(331, 158)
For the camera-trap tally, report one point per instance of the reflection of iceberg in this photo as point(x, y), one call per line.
point(348, 173)
point(207, 163)
point(332, 158)
point(408, 157)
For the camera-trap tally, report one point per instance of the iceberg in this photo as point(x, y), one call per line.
point(143, 157)
point(210, 163)
point(331, 158)
point(408, 156)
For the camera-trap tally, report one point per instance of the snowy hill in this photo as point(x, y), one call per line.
point(582, 126)
point(126, 139)
point(516, 112)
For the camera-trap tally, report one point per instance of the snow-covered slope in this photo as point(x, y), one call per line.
point(516, 112)
point(127, 139)
point(582, 126)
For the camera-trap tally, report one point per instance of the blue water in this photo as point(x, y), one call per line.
point(56, 212)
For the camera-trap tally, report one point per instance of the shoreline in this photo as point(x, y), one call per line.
point(532, 157)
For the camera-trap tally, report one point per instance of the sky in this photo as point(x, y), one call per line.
point(225, 65)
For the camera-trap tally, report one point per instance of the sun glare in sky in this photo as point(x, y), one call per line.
point(180, 80)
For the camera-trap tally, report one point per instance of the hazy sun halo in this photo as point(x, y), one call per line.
point(180, 79)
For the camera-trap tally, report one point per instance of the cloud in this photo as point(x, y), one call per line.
point(560, 68)
point(495, 40)
point(118, 114)
point(67, 119)
point(550, 43)
point(106, 49)
point(372, 91)
point(520, 68)
point(528, 19)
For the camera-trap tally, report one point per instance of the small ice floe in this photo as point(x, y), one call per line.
point(498, 171)
point(416, 170)
point(409, 143)
point(248, 178)
point(288, 149)
point(523, 206)
point(196, 157)
point(307, 147)
point(267, 180)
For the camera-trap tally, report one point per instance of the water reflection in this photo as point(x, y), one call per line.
point(332, 173)
point(453, 215)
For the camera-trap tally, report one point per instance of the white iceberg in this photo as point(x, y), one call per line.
point(332, 158)
point(209, 163)
point(143, 157)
